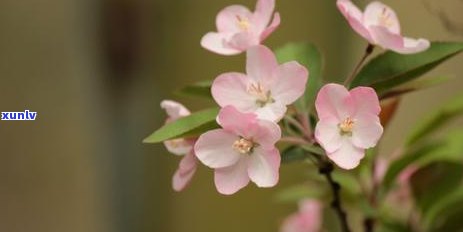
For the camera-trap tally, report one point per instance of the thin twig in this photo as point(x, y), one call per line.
point(368, 51)
point(326, 168)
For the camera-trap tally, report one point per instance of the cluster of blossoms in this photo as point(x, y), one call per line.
point(252, 104)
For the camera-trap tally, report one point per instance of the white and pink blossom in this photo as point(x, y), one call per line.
point(266, 89)
point(307, 219)
point(348, 123)
point(380, 26)
point(181, 147)
point(243, 150)
point(239, 29)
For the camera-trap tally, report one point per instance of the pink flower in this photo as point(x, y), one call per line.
point(183, 147)
point(243, 150)
point(267, 88)
point(238, 28)
point(308, 219)
point(349, 123)
point(380, 26)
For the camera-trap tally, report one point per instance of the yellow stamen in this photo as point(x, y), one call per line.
point(243, 146)
point(243, 23)
point(262, 96)
point(346, 126)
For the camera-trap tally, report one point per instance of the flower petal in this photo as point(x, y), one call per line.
point(378, 14)
point(365, 101)
point(347, 156)
point(215, 149)
point(327, 134)
point(367, 131)
point(386, 39)
point(242, 41)
point(231, 89)
point(174, 109)
point(271, 28)
point(231, 179)
point(216, 42)
point(185, 172)
point(290, 82)
point(354, 17)
point(241, 124)
point(178, 146)
point(411, 46)
point(263, 13)
point(273, 111)
point(263, 167)
point(228, 19)
point(260, 63)
point(266, 134)
point(333, 100)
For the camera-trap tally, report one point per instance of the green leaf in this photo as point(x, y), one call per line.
point(442, 177)
point(414, 85)
point(309, 56)
point(200, 89)
point(443, 209)
point(293, 153)
point(448, 112)
point(391, 69)
point(188, 126)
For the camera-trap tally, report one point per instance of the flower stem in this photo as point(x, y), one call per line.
point(326, 168)
point(368, 52)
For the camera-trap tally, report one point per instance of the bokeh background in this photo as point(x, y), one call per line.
point(96, 70)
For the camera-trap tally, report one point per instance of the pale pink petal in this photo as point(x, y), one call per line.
point(411, 46)
point(378, 14)
point(333, 100)
point(243, 40)
point(263, 166)
point(216, 42)
point(242, 124)
point(290, 82)
point(271, 28)
point(174, 109)
point(228, 19)
point(215, 149)
point(386, 39)
point(185, 172)
point(308, 219)
point(273, 111)
point(367, 131)
point(260, 63)
point(354, 17)
point(266, 134)
point(231, 89)
point(347, 156)
point(263, 13)
point(328, 135)
point(178, 146)
point(231, 179)
point(365, 101)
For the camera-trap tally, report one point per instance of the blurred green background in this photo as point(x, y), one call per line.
point(96, 70)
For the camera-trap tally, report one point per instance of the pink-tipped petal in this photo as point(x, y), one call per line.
point(347, 156)
point(216, 42)
point(185, 172)
point(386, 39)
point(272, 112)
point(367, 131)
point(366, 101)
point(272, 27)
point(354, 17)
point(260, 63)
point(263, 167)
point(231, 179)
point(242, 41)
point(267, 134)
point(228, 19)
point(291, 80)
point(174, 109)
point(328, 135)
point(231, 89)
point(215, 149)
point(263, 13)
point(333, 100)
point(178, 146)
point(242, 124)
point(378, 14)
